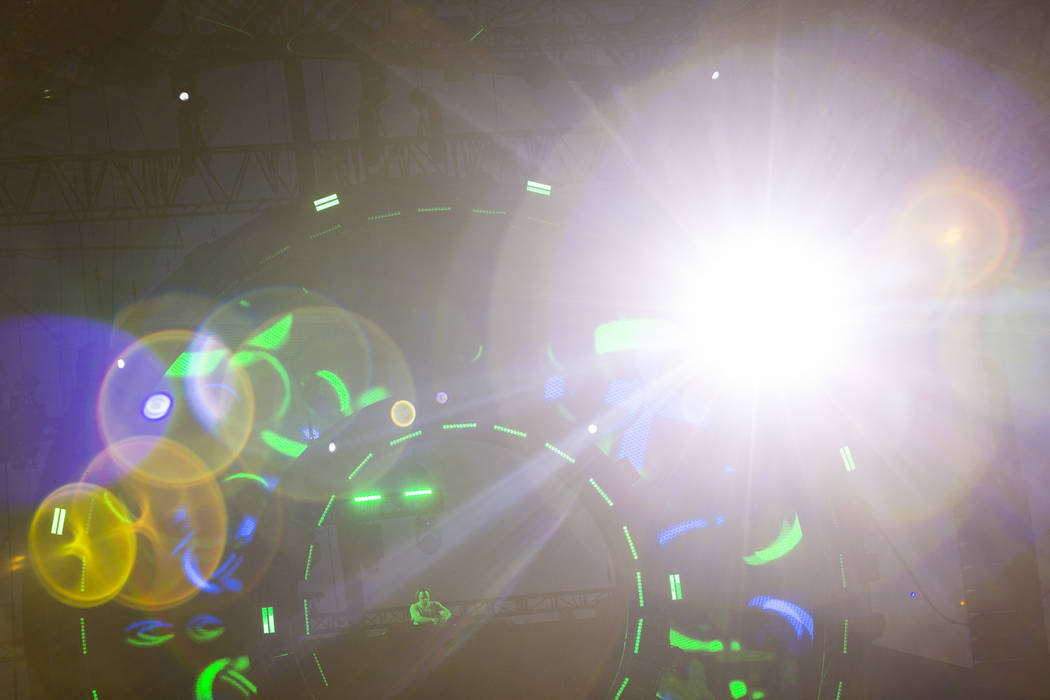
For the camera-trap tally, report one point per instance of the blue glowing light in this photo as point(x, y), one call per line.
point(157, 406)
point(796, 615)
point(311, 432)
point(665, 536)
point(554, 388)
point(246, 531)
point(912, 594)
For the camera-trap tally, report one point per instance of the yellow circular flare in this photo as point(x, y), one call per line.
point(403, 413)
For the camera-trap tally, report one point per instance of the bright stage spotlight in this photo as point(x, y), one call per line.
point(771, 312)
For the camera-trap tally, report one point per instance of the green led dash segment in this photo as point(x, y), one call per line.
point(289, 448)
point(369, 498)
point(371, 396)
point(309, 557)
point(509, 431)
point(638, 579)
point(339, 388)
point(789, 537)
point(273, 337)
point(405, 437)
point(626, 680)
point(420, 492)
point(388, 215)
point(676, 586)
point(58, 521)
point(306, 615)
point(838, 693)
point(477, 356)
point(758, 694)
point(600, 491)
point(83, 637)
point(427, 210)
point(845, 634)
point(327, 231)
point(561, 454)
point(847, 459)
point(488, 211)
point(476, 34)
point(842, 570)
point(321, 519)
point(195, 364)
point(687, 643)
point(638, 635)
point(737, 689)
point(267, 619)
point(246, 475)
point(328, 202)
point(459, 426)
point(630, 542)
point(363, 463)
point(83, 572)
point(274, 255)
point(318, 662)
point(537, 188)
point(94, 694)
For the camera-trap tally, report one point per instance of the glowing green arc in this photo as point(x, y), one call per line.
point(789, 537)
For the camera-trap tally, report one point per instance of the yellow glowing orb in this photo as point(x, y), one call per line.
point(403, 413)
point(81, 550)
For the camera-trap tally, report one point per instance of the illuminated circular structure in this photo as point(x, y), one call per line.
point(303, 360)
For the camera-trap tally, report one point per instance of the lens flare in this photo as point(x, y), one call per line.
point(80, 549)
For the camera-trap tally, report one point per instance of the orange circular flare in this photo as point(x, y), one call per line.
point(81, 550)
point(176, 511)
point(959, 232)
point(180, 386)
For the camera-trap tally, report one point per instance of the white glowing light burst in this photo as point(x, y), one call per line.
point(775, 311)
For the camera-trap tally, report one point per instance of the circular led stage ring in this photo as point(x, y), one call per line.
point(603, 486)
point(80, 549)
point(179, 521)
point(403, 413)
point(182, 387)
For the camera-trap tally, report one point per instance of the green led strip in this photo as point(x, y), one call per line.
point(845, 634)
point(405, 437)
point(623, 685)
point(561, 454)
point(267, 620)
point(306, 615)
point(328, 202)
point(326, 231)
point(309, 556)
point(58, 521)
point(363, 462)
point(83, 572)
point(326, 510)
point(509, 431)
point(676, 586)
point(424, 210)
point(687, 643)
point(487, 211)
point(365, 499)
point(94, 694)
point(847, 459)
point(630, 542)
point(83, 637)
point(458, 426)
point(737, 689)
point(420, 492)
point(638, 635)
point(842, 570)
point(838, 695)
point(377, 217)
point(600, 492)
point(541, 221)
point(279, 443)
point(537, 188)
point(270, 257)
point(318, 662)
point(246, 475)
point(641, 599)
point(339, 388)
